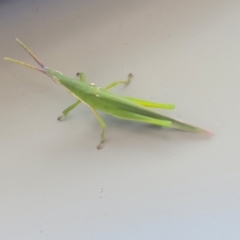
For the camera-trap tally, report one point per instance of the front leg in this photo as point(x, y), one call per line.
point(81, 76)
point(68, 109)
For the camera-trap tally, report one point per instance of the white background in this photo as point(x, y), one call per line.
point(146, 183)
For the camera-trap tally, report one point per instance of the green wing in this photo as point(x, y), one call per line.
point(150, 104)
point(125, 107)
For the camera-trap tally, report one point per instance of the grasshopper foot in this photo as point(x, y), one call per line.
point(100, 145)
point(60, 118)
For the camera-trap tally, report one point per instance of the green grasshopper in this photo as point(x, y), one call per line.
point(97, 98)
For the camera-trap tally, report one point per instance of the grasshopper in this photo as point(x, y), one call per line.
point(101, 99)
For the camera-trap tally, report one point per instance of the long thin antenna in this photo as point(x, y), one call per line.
point(30, 52)
point(24, 64)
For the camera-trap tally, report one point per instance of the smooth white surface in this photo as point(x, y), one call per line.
point(146, 183)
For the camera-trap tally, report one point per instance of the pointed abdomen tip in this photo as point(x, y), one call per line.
point(206, 132)
point(210, 134)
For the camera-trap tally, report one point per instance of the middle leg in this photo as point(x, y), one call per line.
point(119, 82)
